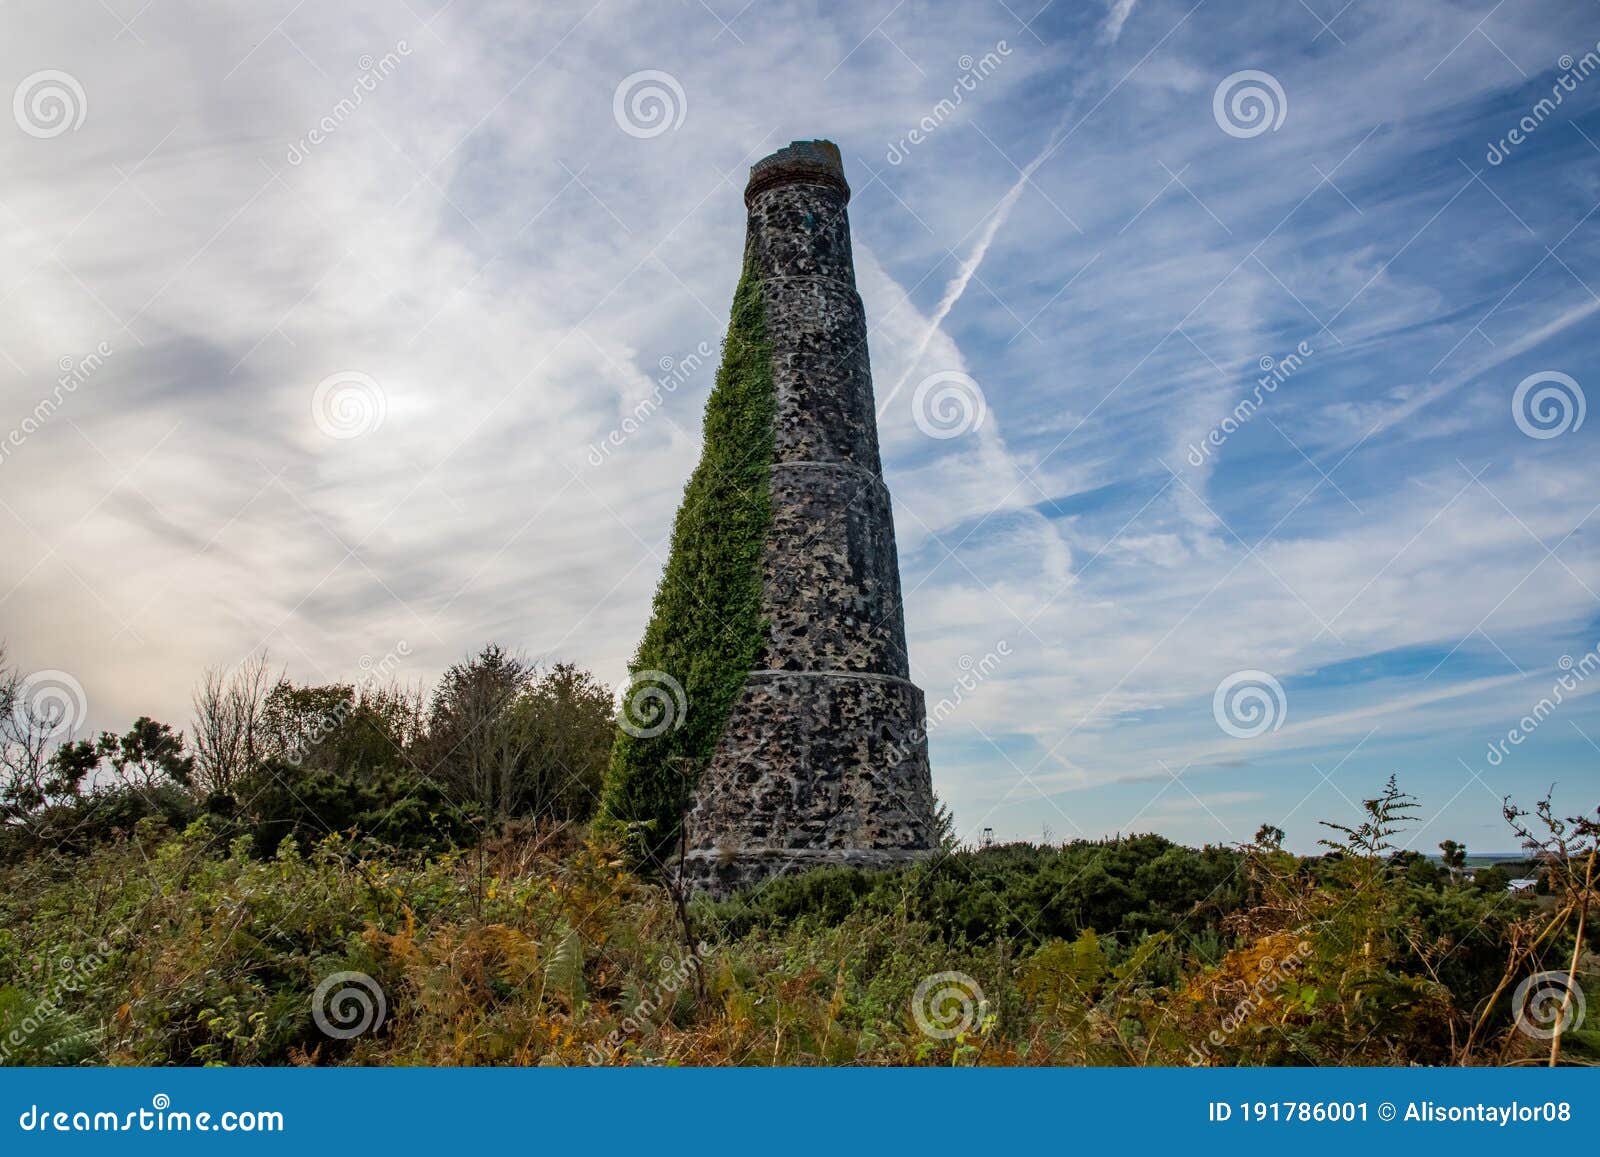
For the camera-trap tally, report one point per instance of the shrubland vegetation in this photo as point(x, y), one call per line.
point(177, 897)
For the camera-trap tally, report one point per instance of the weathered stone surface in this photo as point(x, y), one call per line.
point(820, 416)
point(817, 316)
point(830, 576)
point(813, 769)
point(824, 757)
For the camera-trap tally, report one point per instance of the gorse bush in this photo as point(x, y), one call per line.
point(398, 807)
point(1019, 892)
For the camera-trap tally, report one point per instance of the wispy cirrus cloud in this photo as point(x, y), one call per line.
point(480, 238)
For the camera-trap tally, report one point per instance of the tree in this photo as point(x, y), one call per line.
point(296, 721)
point(568, 716)
point(511, 741)
point(70, 765)
point(1494, 880)
point(229, 723)
point(342, 728)
point(478, 744)
point(1269, 837)
point(30, 733)
point(1455, 858)
point(52, 792)
point(150, 755)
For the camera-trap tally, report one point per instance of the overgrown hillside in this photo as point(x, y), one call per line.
point(368, 875)
point(538, 948)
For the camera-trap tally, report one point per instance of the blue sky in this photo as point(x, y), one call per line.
point(482, 253)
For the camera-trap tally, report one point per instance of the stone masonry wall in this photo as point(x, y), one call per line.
point(824, 758)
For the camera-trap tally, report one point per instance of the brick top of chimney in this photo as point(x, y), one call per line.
point(809, 162)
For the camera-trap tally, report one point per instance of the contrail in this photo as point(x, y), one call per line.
point(958, 284)
point(1111, 29)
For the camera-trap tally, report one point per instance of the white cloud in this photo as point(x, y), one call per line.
point(510, 267)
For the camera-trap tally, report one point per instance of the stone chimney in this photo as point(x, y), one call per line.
point(823, 759)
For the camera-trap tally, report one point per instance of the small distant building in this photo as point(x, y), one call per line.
point(1524, 884)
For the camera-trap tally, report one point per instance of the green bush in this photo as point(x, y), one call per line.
point(398, 807)
point(1020, 892)
point(79, 823)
